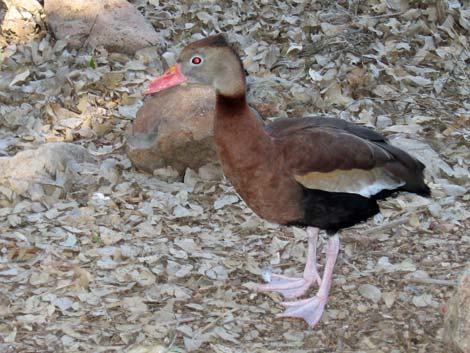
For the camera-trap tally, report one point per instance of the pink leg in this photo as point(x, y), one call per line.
point(294, 287)
point(312, 309)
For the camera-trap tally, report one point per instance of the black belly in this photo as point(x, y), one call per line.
point(335, 210)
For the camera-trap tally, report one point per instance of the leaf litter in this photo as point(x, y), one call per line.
point(96, 256)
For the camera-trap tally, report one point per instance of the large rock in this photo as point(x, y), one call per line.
point(51, 165)
point(457, 320)
point(115, 24)
point(174, 128)
point(21, 18)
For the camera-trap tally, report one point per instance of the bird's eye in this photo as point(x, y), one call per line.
point(196, 60)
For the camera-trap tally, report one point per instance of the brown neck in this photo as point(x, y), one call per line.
point(240, 137)
point(231, 106)
point(246, 151)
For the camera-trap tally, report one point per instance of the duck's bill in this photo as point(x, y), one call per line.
point(172, 77)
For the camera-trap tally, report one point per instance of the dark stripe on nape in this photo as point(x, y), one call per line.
point(213, 41)
point(230, 105)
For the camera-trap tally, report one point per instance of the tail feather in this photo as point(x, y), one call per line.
point(408, 169)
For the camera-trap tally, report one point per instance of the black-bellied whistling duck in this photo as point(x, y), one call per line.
point(312, 172)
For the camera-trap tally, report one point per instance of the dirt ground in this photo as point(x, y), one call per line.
point(98, 257)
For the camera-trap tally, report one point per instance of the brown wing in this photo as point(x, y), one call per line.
point(337, 156)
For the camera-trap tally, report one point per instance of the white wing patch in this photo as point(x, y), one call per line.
point(355, 181)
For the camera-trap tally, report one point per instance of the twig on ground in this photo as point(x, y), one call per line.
point(386, 226)
point(440, 282)
point(89, 33)
point(213, 323)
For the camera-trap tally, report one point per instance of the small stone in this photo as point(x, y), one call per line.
point(225, 200)
point(210, 171)
point(422, 301)
point(383, 122)
point(454, 190)
point(419, 274)
point(190, 177)
point(389, 299)
point(63, 304)
point(370, 292)
point(109, 236)
point(457, 319)
point(362, 308)
point(167, 174)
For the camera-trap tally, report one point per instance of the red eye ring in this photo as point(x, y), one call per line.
point(196, 60)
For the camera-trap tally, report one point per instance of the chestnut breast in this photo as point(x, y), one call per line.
point(246, 153)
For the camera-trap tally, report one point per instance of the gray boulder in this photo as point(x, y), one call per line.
point(115, 24)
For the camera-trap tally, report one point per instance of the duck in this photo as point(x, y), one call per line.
point(318, 173)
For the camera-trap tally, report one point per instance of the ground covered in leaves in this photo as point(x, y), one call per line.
point(97, 257)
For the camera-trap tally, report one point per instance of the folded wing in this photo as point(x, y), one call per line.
point(336, 156)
